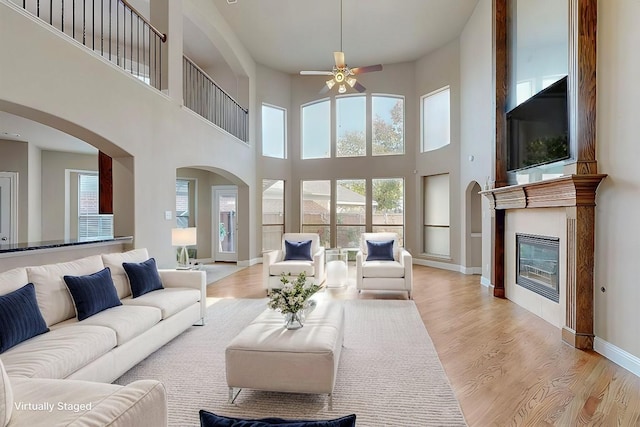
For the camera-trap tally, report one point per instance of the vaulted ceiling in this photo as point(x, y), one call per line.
point(292, 35)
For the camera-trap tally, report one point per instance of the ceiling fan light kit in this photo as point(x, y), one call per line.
point(341, 73)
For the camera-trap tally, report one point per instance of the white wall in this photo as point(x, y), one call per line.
point(617, 318)
point(441, 68)
point(274, 88)
point(477, 119)
point(121, 116)
point(14, 158)
point(55, 192)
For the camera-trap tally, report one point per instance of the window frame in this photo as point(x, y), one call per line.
point(423, 98)
point(282, 215)
point(284, 129)
point(190, 190)
point(337, 123)
point(438, 226)
point(99, 218)
point(324, 240)
point(404, 128)
point(373, 225)
point(302, 127)
point(339, 225)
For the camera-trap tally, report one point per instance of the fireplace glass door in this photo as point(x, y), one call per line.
point(538, 264)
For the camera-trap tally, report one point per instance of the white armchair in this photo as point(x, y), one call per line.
point(393, 274)
point(274, 264)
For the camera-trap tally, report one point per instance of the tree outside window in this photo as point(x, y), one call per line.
point(388, 206)
point(351, 126)
point(351, 209)
point(388, 125)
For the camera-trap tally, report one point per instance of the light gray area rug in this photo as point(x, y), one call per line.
point(218, 271)
point(389, 373)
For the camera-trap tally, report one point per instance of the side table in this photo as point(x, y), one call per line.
point(337, 270)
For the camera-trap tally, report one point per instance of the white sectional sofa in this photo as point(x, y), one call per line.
point(67, 367)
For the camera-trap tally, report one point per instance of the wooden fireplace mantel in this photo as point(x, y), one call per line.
point(577, 194)
point(565, 191)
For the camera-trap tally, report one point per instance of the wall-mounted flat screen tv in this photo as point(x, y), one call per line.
point(538, 129)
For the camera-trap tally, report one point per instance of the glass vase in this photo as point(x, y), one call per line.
point(293, 320)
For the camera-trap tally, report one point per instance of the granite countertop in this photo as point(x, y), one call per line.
point(31, 246)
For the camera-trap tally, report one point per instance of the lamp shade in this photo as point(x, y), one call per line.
point(183, 236)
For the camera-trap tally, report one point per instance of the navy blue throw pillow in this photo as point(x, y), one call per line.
point(92, 293)
point(298, 251)
point(20, 317)
point(208, 419)
point(143, 277)
point(380, 250)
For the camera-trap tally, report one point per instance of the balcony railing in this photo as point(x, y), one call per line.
point(111, 28)
point(117, 31)
point(203, 96)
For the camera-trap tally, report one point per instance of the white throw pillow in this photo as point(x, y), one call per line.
point(6, 397)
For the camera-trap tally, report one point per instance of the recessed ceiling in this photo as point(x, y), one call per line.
point(18, 128)
point(294, 35)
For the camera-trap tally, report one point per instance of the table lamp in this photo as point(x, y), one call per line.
point(183, 237)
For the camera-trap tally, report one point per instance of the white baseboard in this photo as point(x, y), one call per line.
point(471, 270)
point(250, 262)
point(486, 282)
point(617, 355)
point(447, 266)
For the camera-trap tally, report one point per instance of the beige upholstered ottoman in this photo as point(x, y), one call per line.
point(266, 356)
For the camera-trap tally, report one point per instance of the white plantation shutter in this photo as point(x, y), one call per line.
point(182, 203)
point(91, 225)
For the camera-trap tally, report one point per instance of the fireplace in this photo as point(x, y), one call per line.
point(537, 264)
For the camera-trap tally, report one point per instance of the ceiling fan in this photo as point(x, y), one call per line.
point(341, 74)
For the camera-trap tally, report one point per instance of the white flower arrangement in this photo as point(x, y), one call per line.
point(292, 297)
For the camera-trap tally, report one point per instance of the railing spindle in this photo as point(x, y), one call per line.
point(204, 97)
point(118, 32)
point(124, 37)
point(131, 40)
point(138, 47)
point(102, 27)
point(110, 30)
point(84, 22)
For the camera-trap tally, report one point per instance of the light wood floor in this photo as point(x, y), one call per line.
point(507, 366)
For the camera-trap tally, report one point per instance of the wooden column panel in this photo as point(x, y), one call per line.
point(582, 73)
point(578, 329)
point(501, 71)
point(105, 184)
point(498, 251)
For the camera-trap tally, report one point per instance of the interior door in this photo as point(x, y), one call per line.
point(224, 225)
point(8, 208)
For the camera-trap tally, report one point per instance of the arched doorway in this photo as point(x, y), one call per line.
point(473, 235)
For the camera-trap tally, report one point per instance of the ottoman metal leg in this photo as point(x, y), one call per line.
point(232, 396)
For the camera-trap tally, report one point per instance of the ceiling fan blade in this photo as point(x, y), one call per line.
point(339, 57)
point(324, 90)
point(316, 73)
point(359, 87)
point(367, 69)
